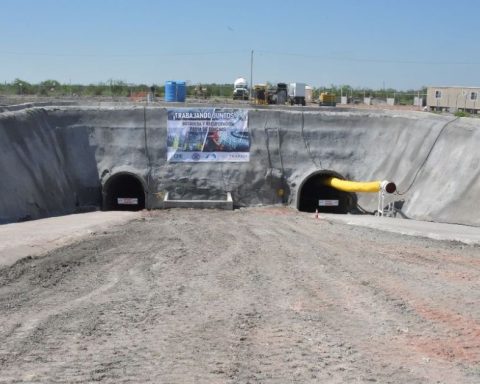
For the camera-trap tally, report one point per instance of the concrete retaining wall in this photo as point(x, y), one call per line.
point(54, 160)
point(38, 178)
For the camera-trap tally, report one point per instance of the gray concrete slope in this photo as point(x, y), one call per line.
point(56, 160)
point(36, 180)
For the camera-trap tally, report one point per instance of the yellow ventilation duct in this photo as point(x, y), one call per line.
point(359, 186)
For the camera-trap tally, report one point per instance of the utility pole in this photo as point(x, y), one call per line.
point(251, 73)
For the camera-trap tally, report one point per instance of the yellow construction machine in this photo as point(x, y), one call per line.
point(327, 99)
point(260, 94)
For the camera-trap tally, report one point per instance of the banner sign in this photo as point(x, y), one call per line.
point(208, 135)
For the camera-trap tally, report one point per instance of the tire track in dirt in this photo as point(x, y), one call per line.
point(385, 284)
point(265, 295)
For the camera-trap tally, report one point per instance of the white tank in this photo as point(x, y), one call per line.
point(240, 83)
point(308, 94)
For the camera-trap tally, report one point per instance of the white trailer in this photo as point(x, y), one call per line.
point(296, 93)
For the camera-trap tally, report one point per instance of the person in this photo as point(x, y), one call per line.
point(213, 143)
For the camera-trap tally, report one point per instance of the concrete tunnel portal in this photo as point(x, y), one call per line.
point(313, 189)
point(126, 192)
point(123, 192)
point(77, 154)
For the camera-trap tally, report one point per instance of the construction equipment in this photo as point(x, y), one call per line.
point(328, 99)
point(277, 95)
point(260, 94)
point(280, 94)
point(200, 92)
point(296, 93)
point(240, 89)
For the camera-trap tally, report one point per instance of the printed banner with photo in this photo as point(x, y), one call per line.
point(208, 134)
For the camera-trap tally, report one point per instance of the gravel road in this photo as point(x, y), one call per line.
point(258, 295)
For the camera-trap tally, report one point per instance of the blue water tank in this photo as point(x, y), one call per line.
point(181, 91)
point(170, 91)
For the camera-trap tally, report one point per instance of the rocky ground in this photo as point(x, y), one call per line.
point(260, 295)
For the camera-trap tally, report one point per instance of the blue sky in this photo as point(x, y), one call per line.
point(364, 43)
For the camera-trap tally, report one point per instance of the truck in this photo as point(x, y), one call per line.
point(270, 94)
point(296, 93)
point(277, 94)
point(240, 89)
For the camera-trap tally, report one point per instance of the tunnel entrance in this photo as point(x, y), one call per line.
point(124, 192)
point(313, 192)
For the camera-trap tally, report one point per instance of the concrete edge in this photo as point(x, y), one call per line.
point(199, 204)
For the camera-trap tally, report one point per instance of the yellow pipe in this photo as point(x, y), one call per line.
point(358, 186)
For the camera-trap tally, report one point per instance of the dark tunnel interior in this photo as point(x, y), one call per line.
point(124, 193)
point(314, 190)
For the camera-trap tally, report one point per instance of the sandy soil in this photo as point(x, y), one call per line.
point(36, 237)
point(264, 295)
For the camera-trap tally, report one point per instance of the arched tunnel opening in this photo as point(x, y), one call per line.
point(124, 192)
point(314, 194)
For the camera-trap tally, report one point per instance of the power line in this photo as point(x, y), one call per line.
point(368, 60)
point(265, 52)
point(165, 54)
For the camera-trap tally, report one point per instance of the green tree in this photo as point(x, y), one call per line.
point(22, 87)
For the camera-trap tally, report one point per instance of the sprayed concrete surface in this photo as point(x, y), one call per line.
point(58, 160)
point(437, 231)
point(257, 295)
